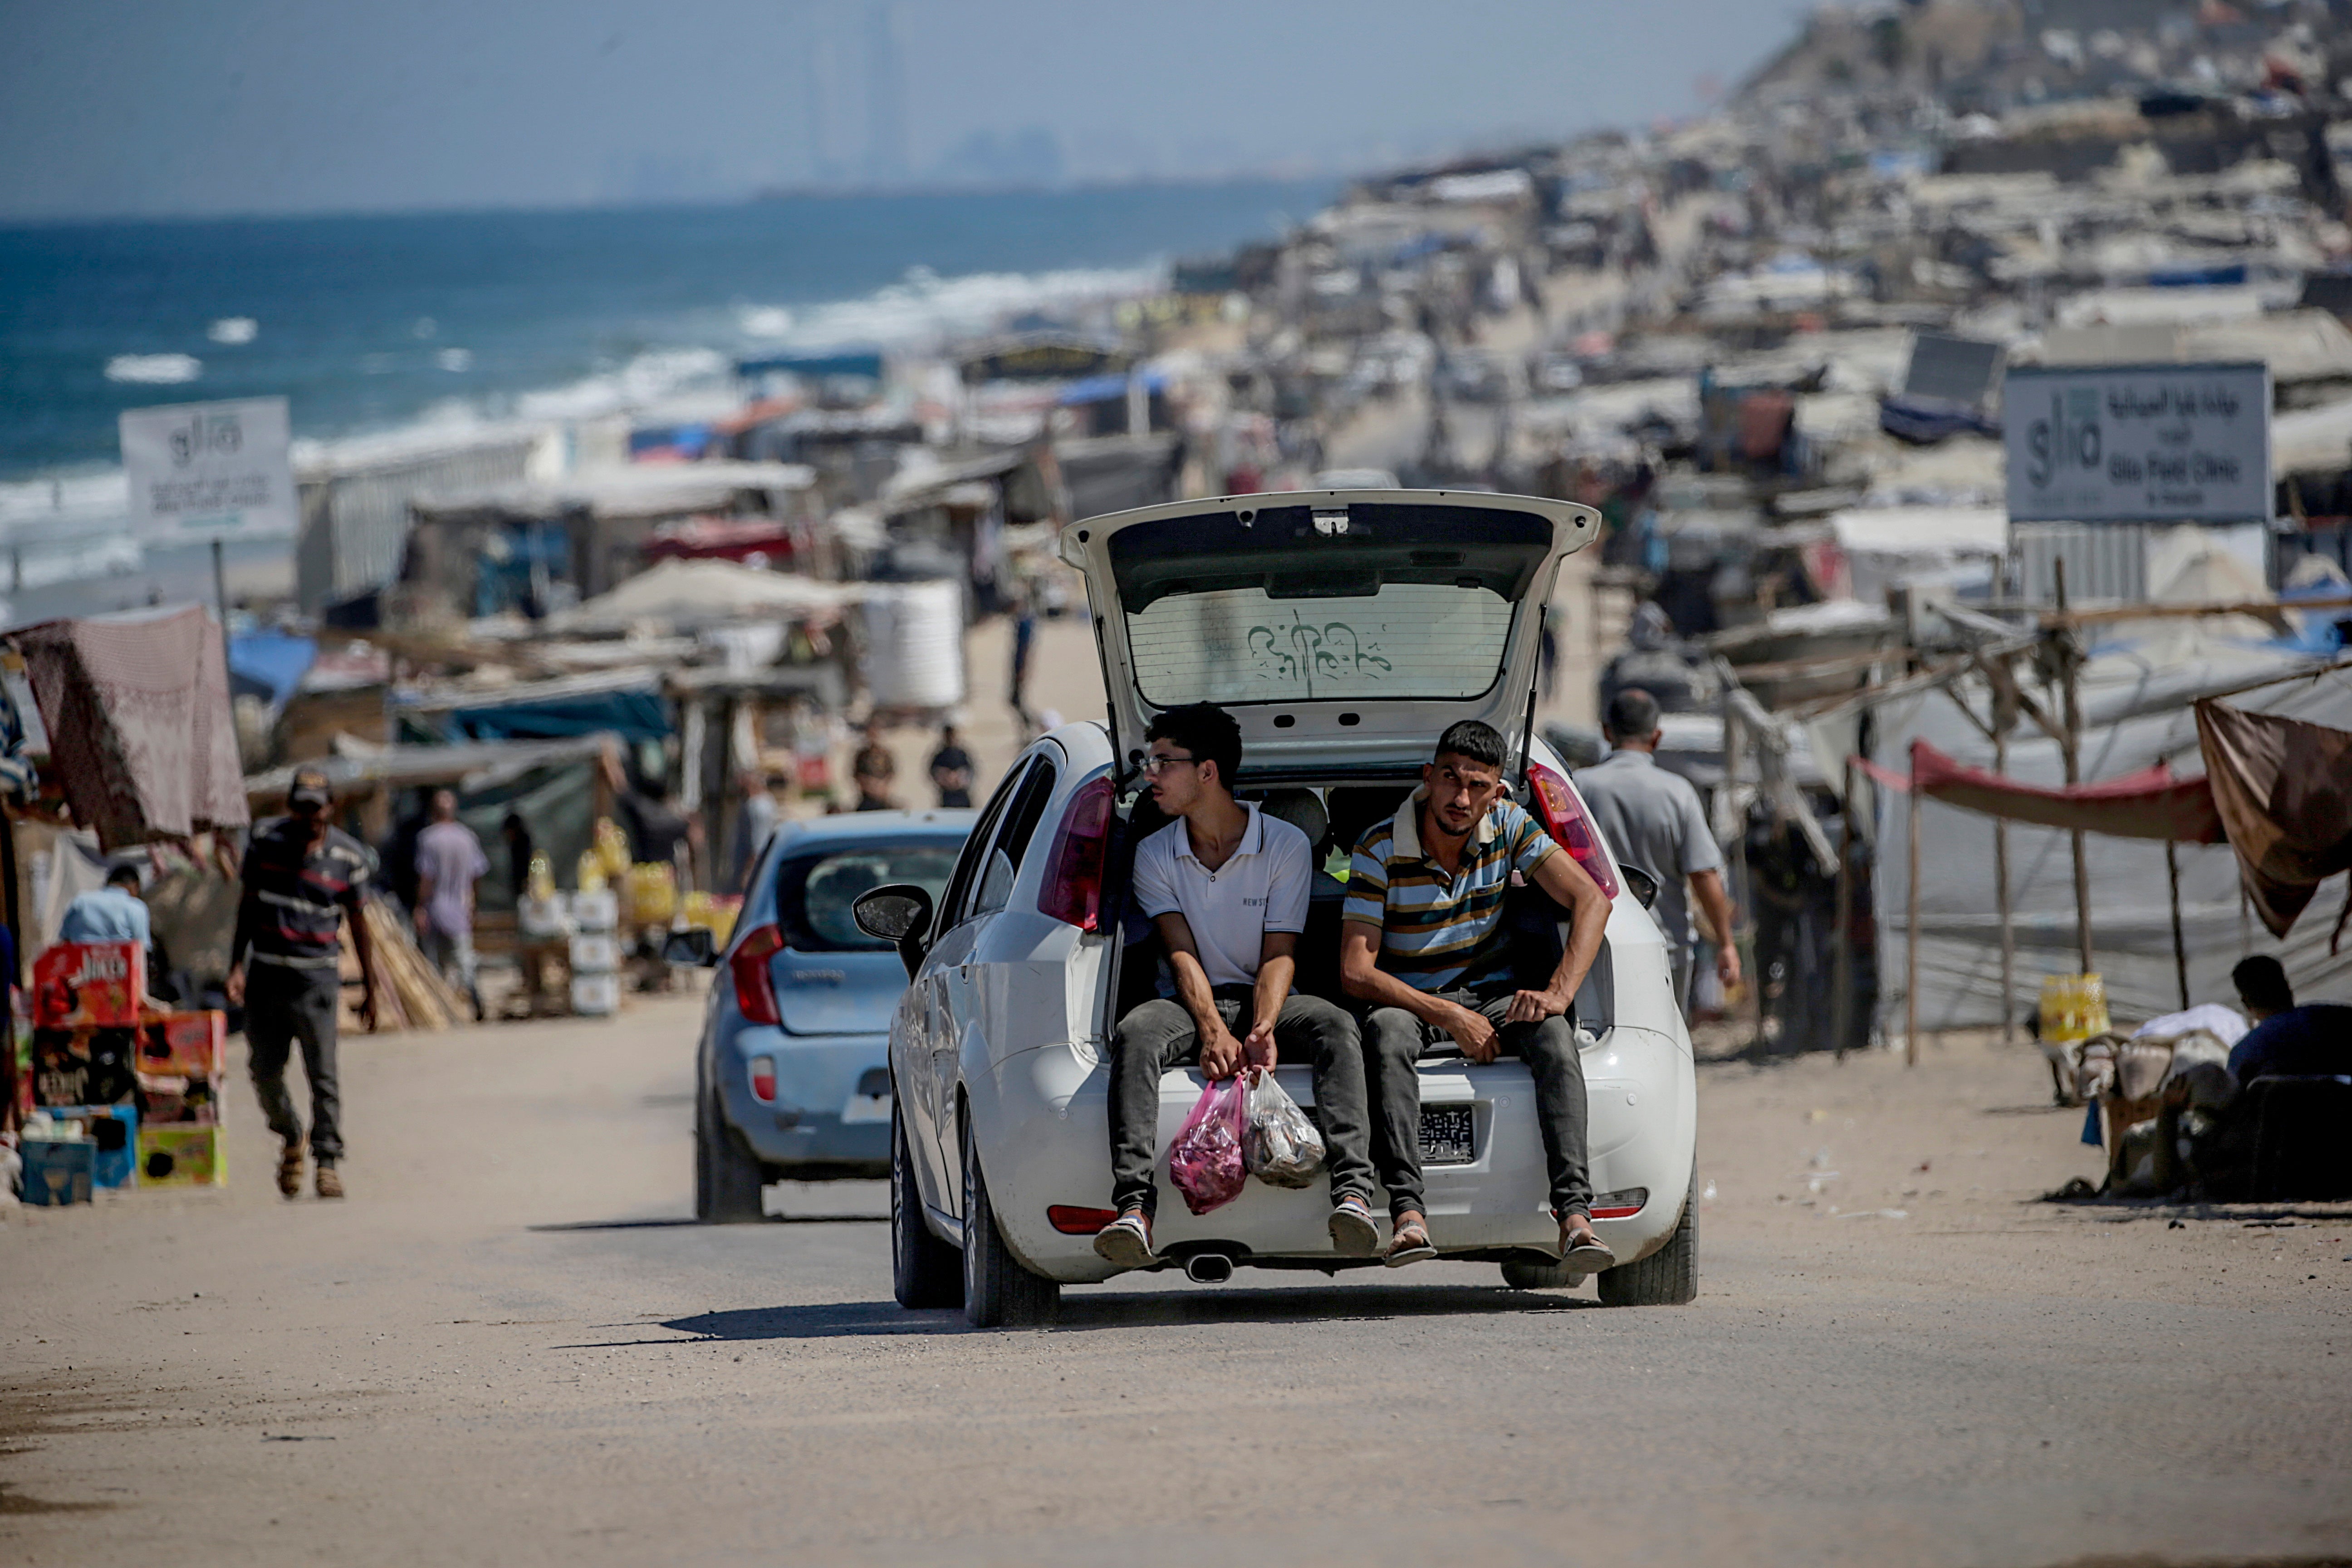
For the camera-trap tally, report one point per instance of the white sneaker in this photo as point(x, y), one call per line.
point(1126, 1242)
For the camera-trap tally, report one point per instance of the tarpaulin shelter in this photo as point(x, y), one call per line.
point(2283, 786)
point(2151, 804)
point(141, 738)
point(629, 703)
point(2137, 702)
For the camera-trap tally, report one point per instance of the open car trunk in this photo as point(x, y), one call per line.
point(1343, 629)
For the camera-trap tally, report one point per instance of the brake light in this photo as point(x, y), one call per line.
point(1563, 817)
point(1071, 893)
point(1620, 1205)
point(1071, 1220)
point(763, 1079)
point(755, 990)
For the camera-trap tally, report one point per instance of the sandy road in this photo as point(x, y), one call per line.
point(506, 1347)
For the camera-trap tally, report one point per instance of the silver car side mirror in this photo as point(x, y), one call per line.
point(1640, 883)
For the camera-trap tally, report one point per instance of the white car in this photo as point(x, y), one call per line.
point(1344, 631)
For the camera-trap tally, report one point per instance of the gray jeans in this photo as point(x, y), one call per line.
point(1394, 1041)
point(1160, 1035)
point(284, 1006)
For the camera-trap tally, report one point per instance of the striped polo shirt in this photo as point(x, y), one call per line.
point(1439, 932)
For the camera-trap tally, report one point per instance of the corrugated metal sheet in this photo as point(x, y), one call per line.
point(355, 521)
point(2103, 560)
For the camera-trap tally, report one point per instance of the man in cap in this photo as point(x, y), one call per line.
point(302, 875)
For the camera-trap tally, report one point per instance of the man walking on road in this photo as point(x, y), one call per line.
point(1228, 886)
point(1652, 818)
point(449, 861)
point(951, 770)
point(1423, 944)
point(302, 878)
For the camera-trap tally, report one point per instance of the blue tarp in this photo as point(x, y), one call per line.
point(635, 715)
point(1102, 388)
point(855, 362)
point(269, 664)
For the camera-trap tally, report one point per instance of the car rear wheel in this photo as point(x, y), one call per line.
point(999, 1292)
point(727, 1180)
point(924, 1271)
point(1668, 1277)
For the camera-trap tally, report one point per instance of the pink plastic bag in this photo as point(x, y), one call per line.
point(1205, 1160)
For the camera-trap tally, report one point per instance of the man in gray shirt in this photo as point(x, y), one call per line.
point(1652, 818)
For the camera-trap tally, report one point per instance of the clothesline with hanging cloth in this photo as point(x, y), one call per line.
point(2153, 803)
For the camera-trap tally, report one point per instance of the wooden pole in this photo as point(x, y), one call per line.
point(2071, 721)
point(1911, 930)
point(1734, 748)
point(2001, 903)
point(1841, 1001)
point(2180, 946)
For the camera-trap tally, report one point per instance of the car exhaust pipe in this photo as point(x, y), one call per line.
point(1208, 1268)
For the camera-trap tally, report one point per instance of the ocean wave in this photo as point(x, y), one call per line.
point(924, 310)
point(655, 377)
point(154, 370)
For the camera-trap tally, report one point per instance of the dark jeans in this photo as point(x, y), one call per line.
point(1159, 1035)
point(1394, 1041)
point(283, 1006)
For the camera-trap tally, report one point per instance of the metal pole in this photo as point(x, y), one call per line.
point(2073, 752)
point(1842, 1003)
point(220, 591)
point(2180, 946)
point(2001, 903)
point(1911, 928)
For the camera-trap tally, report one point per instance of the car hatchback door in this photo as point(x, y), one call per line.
point(1330, 624)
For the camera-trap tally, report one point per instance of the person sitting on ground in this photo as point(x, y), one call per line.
point(1228, 886)
point(1424, 945)
point(1652, 818)
point(114, 913)
point(2286, 1041)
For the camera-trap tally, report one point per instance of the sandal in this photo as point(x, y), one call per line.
point(289, 1170)
point(1409, 1243)
point(1586, 1257)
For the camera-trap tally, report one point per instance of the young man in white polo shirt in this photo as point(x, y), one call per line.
point(1227, 887)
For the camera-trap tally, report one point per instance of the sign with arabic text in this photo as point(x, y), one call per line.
point(211, 468)
point(2139, 443)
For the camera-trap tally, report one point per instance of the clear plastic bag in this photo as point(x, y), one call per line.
point(1279, 1144)
point(1205, 1160)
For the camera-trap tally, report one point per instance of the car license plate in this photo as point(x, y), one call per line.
point(1445, 1135)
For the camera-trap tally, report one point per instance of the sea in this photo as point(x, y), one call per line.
point(387, 328)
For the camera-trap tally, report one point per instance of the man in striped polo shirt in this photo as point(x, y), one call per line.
point(1424, 948)
point(302, 879)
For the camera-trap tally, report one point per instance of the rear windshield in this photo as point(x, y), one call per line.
point(1362, 602)
point(814, 892)
point(1242, 644)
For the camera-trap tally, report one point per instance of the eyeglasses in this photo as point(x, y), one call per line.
point(1157, 765)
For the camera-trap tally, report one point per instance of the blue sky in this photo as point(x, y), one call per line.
point(171, 108)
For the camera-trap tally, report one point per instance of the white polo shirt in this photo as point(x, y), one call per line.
point(1263, 887)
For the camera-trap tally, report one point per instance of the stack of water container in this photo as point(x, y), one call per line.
point(595, 953)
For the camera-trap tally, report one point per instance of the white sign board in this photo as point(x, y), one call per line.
point(2139, 443)
point(210, 469)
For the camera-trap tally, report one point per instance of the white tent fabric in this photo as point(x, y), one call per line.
point(2136, 711)
point(689, 595)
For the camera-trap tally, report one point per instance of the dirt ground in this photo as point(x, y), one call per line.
point(510, 1345)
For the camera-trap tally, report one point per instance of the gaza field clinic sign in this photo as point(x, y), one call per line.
point(211, 467)
point(2139, 443)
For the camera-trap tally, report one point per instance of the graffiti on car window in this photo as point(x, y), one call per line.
point(1300, 652)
